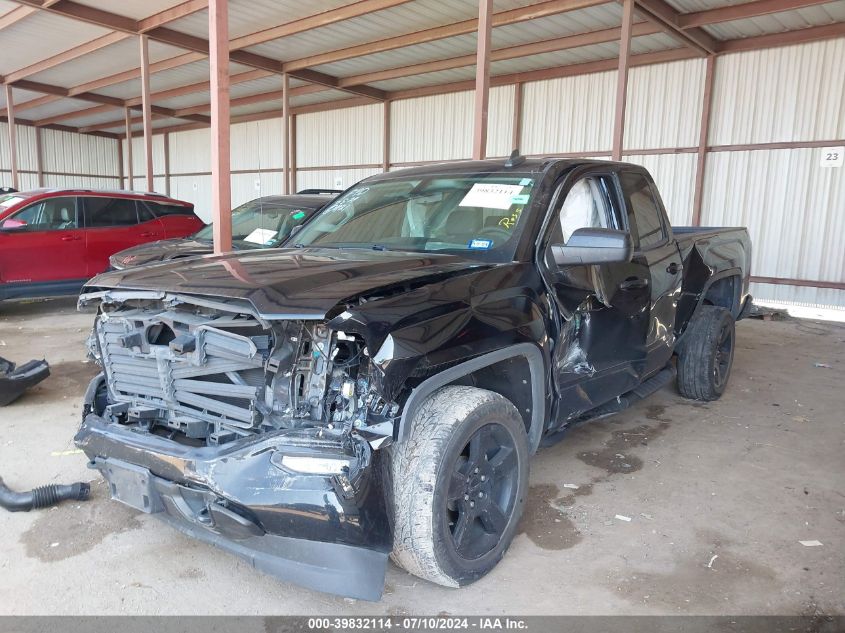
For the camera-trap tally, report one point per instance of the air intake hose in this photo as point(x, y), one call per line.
point(41, 497)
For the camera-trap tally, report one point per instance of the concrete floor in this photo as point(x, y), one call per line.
point(718, 495)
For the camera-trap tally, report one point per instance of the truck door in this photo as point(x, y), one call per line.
point(600, 349)
point(656, 248)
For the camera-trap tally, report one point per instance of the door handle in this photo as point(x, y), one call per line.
point(633, 283)
point(70, 238)
point(673, 268)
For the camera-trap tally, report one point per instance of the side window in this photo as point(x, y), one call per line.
point(101, 212)
point(587, 205)
point(160, 209)
point(648, 219)
point(144, 213)
point(52, 214)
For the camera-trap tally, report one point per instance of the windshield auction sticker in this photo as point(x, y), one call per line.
point(490, 195)
point(260, 236)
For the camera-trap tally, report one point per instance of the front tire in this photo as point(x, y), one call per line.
point(459, 483)
point(706, 355)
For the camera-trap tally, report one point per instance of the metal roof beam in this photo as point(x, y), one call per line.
point(116, 22)
point(511, 52)
point(742, 11)
point(502, 18)
point(33, 103)
point(66, 56)
point(15, 15)
point(800, 36)
point(157, 20)
point(659, 12)
point(500, 54)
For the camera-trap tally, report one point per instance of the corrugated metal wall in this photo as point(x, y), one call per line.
point(793, 93)
point(664, 105)
point(675, 177)
point(351, 136)
point(794, 210)
point(793, 207)
point(572, 114)
point(69, 159)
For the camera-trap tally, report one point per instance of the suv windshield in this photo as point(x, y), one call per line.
point(257, 224)
point(477, 214)
point(10, 200)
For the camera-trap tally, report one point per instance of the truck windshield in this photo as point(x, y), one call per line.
point(477, 215)
point(260, 224)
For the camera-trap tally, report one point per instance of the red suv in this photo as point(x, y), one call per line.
point(53, 240)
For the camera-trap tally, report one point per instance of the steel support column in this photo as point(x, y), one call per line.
point(703, 132)
point(147, 113)
point(13, 143)
point(167, 163)
point(128, 116)
point(285, 134)
point(221, 184)
point(516, 139)
point(622, 78)
point(385, 139)
point(482, 79)
point(39, 157)
point(292, 154)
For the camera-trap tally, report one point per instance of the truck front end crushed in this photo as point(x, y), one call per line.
point(258, 436)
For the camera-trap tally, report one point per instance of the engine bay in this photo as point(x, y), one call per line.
point(212, 373)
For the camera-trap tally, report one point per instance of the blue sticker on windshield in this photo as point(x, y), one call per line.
point(520, 199)
point(525, 182)
point(480, 244)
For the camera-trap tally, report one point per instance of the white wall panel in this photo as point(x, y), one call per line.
point(327, 179)
point(571, 114)
point(674, 175)
point(27, 158)
point(139, 162)
point(664, 105)
point(196, 189)
point(190, 152)
point(80, 182)
point(793, 209)
point(244, 186)
point(500, 121)
point(348, 136)
point(26, 147)
point(70, 153)
point(431, 128)
point(799, 295)
point(791, 93)
point(257, 145)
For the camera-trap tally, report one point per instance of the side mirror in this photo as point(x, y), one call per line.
point(12, 225)
point(594, 246)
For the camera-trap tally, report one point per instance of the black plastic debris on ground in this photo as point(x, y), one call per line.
point(15, 380)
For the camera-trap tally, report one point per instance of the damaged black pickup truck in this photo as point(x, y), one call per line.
point(378, 387)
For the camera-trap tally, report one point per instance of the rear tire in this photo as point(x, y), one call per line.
point(706, 354)
point(459, 483)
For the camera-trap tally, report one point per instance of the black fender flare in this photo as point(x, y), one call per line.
point(532, 355)
point(722, 274)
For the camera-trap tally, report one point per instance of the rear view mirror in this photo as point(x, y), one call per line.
point(594, 246)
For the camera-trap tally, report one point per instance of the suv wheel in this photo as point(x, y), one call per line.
point(459, 485)
point(706, 356)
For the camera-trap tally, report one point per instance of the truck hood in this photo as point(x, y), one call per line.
point(287, 283)
point(161, 251)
